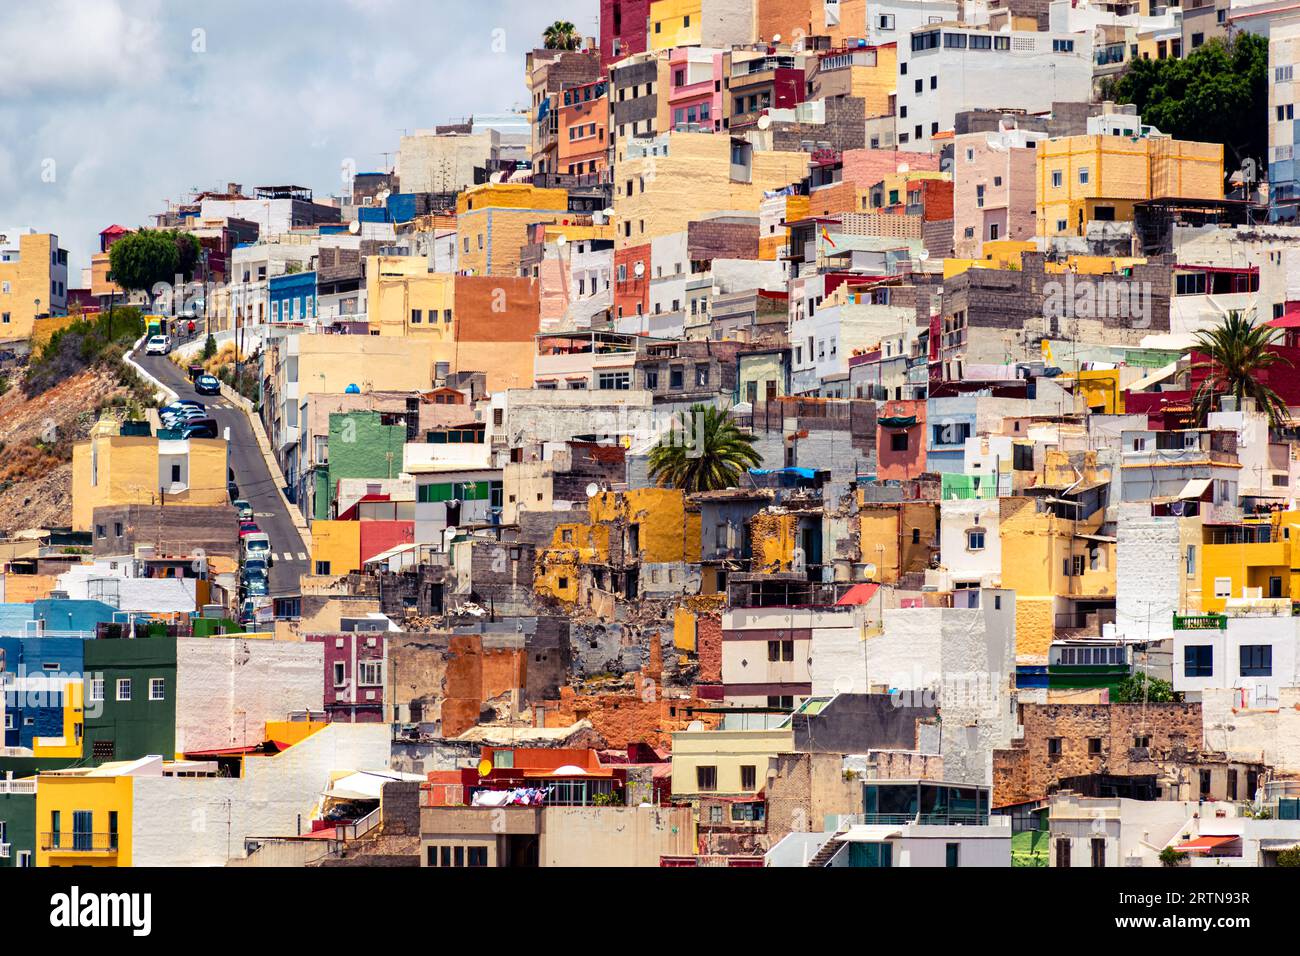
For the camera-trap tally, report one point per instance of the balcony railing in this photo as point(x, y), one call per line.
point(5, 850)
point(1200, 622)
point(79, 842)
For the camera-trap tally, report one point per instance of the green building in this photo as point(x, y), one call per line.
point(130, 699)
point(17, 823)
point(361, 445)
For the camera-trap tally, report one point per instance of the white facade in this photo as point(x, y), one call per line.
point(1254, 657)
point(942, 74)
point(228, 688)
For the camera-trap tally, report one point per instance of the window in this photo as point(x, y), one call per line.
point(618, 381)
point(1223, 587)
point(97, 690)
point(706, 778)
point(952, 855)
point(1053, 746)
point(370, 673)
point(1083, 175)
point(974, 540)
point(322, 567)
point(340, 674)
point(157, 688)
point(1198, 660)
point(1098, 851)
point(1057, 179)
point(748, 777)
point(1189, 561)
point(124, 688)
point(1062, 46)
point(477, 856)
point(1256, 660)
point(1094, 746)
point(1142, 742)
point(898, 441)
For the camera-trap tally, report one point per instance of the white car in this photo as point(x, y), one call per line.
point(157, 345)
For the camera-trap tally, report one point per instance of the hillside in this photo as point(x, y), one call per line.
point(36, 439)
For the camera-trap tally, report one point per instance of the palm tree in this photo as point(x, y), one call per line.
point(561, 35)
point(717, 454)
point(1237, 352)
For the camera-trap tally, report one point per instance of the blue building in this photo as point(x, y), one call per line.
point(33, 698)
point(292, 297)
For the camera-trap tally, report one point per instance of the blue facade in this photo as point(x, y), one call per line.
point(401, 207)
point(292, 297)
point(948, 423)
point(33, 712)
point(67, 615)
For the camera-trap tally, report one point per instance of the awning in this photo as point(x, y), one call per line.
point(1202, 844)
point(901, 421)
point(1153, 378)
point(858, 594)
point(1194, 489)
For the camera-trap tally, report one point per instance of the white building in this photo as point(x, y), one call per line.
point(1251, 652)
point(946, 70)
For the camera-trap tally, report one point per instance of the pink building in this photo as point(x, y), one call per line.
point(624, 29)
point(993, 189)
point(900, 440)
point(866, 167)
point(695, 89)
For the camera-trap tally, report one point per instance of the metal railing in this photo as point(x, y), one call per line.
point(359, 828)
point(5, 850)
point(1200, 622)
point(9, 785)
point(79, 842)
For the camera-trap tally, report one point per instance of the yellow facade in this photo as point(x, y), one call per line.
point(336, 546)
point(492, 223)
point(25, 285)
point(676, 23)
point(1076, 174)
point(1037, 549)
point(1228, 569)
point(110, 470)
point(727, 752)
point(666, 532)
point(100, 793)
point(67, 745)
point(693, 179)
point(407, 299)
point(328, 364)
point(1101, 388)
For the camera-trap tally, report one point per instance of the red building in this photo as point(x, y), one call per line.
point(624, 30)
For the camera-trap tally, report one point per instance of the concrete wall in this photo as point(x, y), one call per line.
point(615, 836)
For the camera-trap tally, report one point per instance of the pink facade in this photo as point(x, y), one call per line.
point(866, 167)
point(900, 440)
point(993, 191)
point(354, 675)
point(695, 89)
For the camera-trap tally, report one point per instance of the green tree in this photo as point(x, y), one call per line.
point(1289, 856)
point(561, 35)
point(1171, 857)
point(1216, 94)
point(142, 259)
point(209, 347)
point(712, 456)
point(1130, 690)
point(1237, 352)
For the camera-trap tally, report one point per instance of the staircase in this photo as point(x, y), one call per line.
point(823, 856)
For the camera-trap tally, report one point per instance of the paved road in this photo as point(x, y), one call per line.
point(251, 474)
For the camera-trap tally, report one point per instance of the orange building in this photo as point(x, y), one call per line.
point(583, 145)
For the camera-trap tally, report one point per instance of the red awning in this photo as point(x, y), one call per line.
point(1201, 844)
point(859, 594)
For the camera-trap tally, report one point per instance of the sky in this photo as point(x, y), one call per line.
point(110, 108)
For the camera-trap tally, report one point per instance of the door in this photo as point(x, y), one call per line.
point(83, 830)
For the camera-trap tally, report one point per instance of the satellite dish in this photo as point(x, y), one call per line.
point(608, 212)
point(639, 269)
point(484, 767)
point(776, 38)
point(764, 121)
point(561, 240)
point(381, 197)
point(354, 227)
point(869, 570)
point(593, 489)
point(903, 167)
point(923, 254)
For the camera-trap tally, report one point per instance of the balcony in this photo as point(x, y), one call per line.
point(1200, 622)
point(101, 844)
point(5, 850)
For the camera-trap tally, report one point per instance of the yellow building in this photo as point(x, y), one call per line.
point(110, 469)
point(650, 525)
point(725, 763)
point(33, 281)
point(1255, 555)
point(1059, 568)
point(492, 223)
point(83, 816)
point(660, 195)
point(1098, 177)
point(335, 547)
point(676, 23)
point(407, 299)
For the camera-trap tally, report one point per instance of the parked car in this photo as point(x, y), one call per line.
point(248, 527)
point(254, 566)
point(157, 345)
point(257, 586)
point(257, 545)
point(201, 428)
point(244, 508)
point(207, 385)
